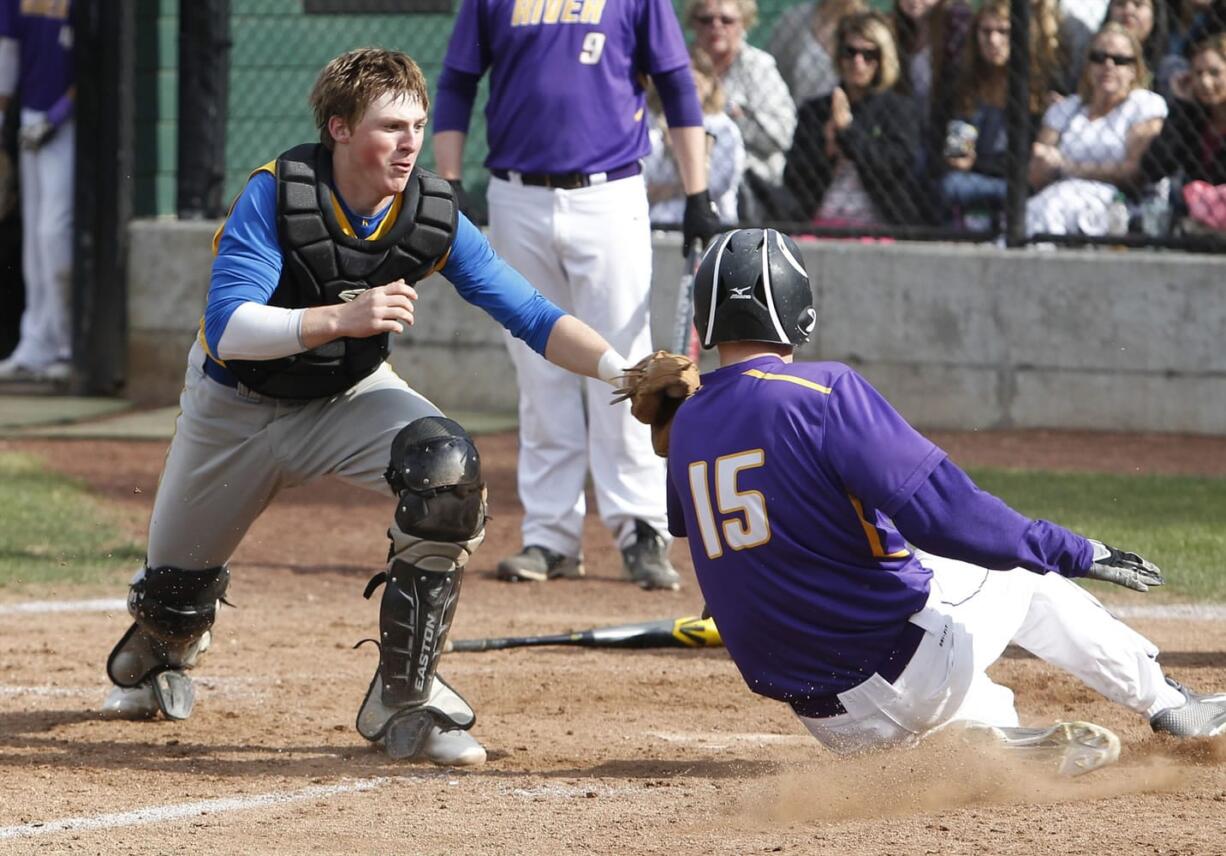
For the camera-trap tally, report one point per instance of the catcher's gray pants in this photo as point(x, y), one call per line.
point(233, 451)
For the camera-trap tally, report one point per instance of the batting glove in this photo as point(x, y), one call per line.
point(1124, 569)
point(33, 136)
point(701, 222)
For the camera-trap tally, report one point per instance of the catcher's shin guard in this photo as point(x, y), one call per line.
point(440, 521)
point(173, 611)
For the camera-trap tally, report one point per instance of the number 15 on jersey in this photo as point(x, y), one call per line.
point(716, 488)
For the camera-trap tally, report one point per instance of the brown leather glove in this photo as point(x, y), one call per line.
point(656, 386)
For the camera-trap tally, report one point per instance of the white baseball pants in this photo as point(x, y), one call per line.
point(972, 614)
point(589, 251)
point(46, 246)
point(233, 452)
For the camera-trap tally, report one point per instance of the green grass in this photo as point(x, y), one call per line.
point(1177, 523)
point(52, 530)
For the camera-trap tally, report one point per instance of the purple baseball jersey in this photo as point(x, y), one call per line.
point(783, 476)
point(44, 30)
point(574, 65)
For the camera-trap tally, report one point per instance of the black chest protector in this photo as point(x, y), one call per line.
point(325, 266)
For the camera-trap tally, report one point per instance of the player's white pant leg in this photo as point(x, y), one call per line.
point(1053, 618)
point(46, 213)
point(607, 256)
point(1069, 628)
point(552, 464)
point(971, 616)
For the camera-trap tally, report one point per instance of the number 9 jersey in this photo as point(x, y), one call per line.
point(566, 77)
point(786, 500)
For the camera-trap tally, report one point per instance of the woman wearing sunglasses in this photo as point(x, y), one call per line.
point(852, 162)
point(756, 97)
point(1090, 146)
point(802, 43)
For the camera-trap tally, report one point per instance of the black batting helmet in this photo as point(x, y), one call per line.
point(752, 286)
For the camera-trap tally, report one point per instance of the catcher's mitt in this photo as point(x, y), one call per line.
point(656, 386)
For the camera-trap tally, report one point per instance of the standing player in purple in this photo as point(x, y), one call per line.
point(36, 57)
point(568, 126)
point(800, 489)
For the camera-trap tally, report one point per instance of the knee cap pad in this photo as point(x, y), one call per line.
point(436, 470)
point(174, 605)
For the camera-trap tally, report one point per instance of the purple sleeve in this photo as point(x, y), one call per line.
point(679, 97)
point(453, 104)
point(950, 516)
point(661, 46)
point(468, 48)
point(60, 110)
point(878, 455)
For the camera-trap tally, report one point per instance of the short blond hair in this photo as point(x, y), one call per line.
point(349, 84)
point(1085, 86)
point(872, 27)
point(747, 8)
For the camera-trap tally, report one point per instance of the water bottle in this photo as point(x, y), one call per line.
point(1155, 217)
point(1117, 216)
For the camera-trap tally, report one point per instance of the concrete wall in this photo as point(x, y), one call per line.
point(956, 336)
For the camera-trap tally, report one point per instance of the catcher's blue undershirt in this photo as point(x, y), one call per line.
point(249, 261)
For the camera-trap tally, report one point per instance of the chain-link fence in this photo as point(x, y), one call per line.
point(1051, 121)
point(1021, 121)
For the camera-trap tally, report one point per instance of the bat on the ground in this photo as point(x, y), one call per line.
point(688, 632)
point(685, 337)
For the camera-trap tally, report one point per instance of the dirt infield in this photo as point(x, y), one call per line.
point(590, 751)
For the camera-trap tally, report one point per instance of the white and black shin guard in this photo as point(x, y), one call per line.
point(440, 521)
point(174, 611)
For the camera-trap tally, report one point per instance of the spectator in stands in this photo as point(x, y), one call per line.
point(756, 97)
point(1090, 146)
point(977, 139)
point(852, 160)
point(802, 44)
point(1191, 22)
point(931, 36)
point(1148, 21)
point(1191, 149)
point(725, 152)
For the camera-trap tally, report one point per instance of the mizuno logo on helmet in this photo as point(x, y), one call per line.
point(742, 293)
point(349, 294)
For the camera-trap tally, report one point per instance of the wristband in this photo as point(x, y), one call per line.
point(612, 365)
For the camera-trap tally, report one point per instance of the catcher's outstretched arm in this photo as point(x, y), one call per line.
point(578, 348)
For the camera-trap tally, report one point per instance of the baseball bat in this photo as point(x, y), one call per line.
point(685, 337)
point(688, 632)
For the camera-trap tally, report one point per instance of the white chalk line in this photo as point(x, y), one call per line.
point(167, 813)
point(110, 604)
point(1191, 611)
point(1187, 611)
point(719, 741)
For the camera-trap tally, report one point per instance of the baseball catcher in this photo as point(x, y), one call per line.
point(857, 574)
point(289, 381)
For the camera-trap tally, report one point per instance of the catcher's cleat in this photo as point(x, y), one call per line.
point(645, 560)
point(1199, 715)
point(137, 702)
point(169, 692)
point(415, 734)
point(537, 564)
point(1075, 748)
